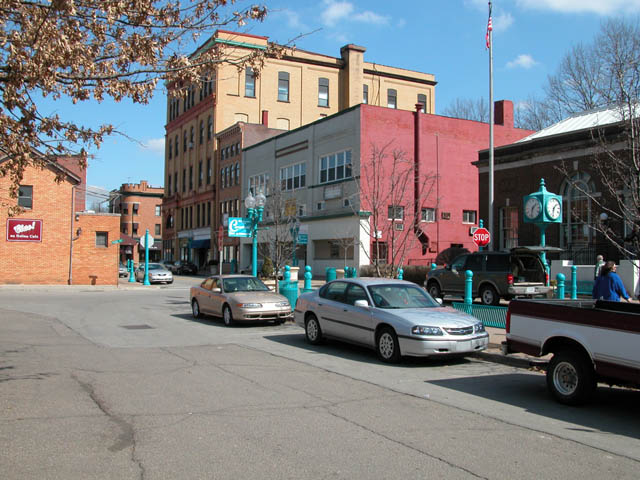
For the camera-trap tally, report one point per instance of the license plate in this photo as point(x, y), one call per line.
point(463, 346)
point(530, 290)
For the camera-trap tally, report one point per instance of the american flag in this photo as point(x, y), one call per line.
point(489, 28)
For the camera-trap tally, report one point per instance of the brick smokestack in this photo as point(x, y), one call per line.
point(504, 113)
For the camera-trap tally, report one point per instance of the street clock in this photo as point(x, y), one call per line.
point(542, 207)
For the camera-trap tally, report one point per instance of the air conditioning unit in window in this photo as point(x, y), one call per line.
point(399, 226)
point(346, 202)
point(190, 145)
point(320, 206)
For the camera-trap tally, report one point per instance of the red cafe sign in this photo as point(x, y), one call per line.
point(22, 230)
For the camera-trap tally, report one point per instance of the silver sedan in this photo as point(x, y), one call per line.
point(157, 274)
point(395, 317)
point(239, 298)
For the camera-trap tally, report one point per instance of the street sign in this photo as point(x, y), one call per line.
point(481, 237)
point(303, 238)
point(116, 241)
point(239, 227)
point(142, 244)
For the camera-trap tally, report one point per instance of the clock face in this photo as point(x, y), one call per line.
point(554, 209)
point(532, 208)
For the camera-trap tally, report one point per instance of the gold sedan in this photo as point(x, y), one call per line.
point(239, 298)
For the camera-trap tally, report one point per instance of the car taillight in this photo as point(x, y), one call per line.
point(508, 321)
point(546, 278)
point(510, 279)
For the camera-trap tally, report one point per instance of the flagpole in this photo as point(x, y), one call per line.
point(491, 122)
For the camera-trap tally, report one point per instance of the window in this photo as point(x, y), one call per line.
point(365, 94)
point(208, 213)
point(259, 183)
point(428, 215)
point(125, 210)
point(184, 141)
point(336, 166)
point(158, 207)
point(249, 82)
point(379, 252)
point(123, 228)
point(169, 185)
point(222, 179)
point(508, 227)
point(468, 216)
point(283, 86)
point(176, 146)
point(293, 176)
point(191, 137)
point(190, 177)
point(578, 215)
point(392, 98)
point(175, 182)
point(157, 229)
point(200, 174)
point(25, 196)
point(136, 207)
point(169, 223)
point(208, 171)
point(422, 100)
point(201, 131)
point(395, 212)
point(184, 180)
point(170, 149)
point(102, 239)
point(237, 173)
point(209, 127)
point(198, 215)
point(323, 92)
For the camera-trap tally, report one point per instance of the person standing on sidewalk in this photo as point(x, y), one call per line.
point(608, 285)
point(599, 264)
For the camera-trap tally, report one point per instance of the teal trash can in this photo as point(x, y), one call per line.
point(289, 289)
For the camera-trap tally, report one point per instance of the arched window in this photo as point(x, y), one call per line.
point(577, 211)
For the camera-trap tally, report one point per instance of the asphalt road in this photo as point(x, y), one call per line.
point(103, 383)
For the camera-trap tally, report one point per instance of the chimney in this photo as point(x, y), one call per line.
point(265, 118)
point(504, 113)
point(353, 58)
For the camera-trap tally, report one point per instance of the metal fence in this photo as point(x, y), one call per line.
point(488, 315)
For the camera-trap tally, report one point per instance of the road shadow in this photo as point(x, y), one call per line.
point(613, 410)
point(219, 323)
point(360, 353)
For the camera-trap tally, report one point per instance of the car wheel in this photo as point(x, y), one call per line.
point(570, 377)
point(312, 330)
point(489, 296)
point(434, 289)
point(227, 316)
point(195, 309)
point(387, 346)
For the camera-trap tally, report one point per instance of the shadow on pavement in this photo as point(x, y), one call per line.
point(613, 410)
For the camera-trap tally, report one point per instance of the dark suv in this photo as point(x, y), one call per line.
point(182, 267)
point(518, 273)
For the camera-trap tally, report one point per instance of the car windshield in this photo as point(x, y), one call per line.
point(401, 296)
point(243, 284)
point(155, 266)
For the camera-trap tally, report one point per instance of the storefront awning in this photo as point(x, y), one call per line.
point(205, 243)
point(127, 240)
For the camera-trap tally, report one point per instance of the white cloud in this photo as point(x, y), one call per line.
point(502, 22)
point(156, 145)
point(524, 60)
point(600, 7)
point(335, 11)
point(292, 19)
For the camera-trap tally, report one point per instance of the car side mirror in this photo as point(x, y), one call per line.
point(216, 290)
point(361, 303)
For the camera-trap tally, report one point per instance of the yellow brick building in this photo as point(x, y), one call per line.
point(288, 92)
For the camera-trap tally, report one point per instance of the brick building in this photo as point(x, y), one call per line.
point(140, 207)
point(49, 243)
point(291, 91)
point(575, 144)
point(319, 167)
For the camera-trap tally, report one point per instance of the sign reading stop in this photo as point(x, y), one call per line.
point(481, 237)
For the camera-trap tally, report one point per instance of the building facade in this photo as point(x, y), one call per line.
point(140, 208)
point(290, 91)
point(52, 242)
point(565, 156)
point(324, 170)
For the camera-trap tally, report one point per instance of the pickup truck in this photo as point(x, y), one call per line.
point(591, 341)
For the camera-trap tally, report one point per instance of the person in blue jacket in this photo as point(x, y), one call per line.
point(608, 285)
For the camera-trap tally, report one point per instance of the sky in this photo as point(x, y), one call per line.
point(443, 37)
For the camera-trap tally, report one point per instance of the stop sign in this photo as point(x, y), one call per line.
point(481, 237)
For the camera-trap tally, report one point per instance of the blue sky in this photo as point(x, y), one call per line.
point(442, 37)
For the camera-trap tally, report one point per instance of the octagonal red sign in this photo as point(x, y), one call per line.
point(481, 237)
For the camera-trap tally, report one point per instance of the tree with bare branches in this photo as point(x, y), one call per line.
point(393, 190)
point(469, 109)
point(91, 50)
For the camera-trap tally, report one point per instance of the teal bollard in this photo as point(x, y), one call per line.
point(287, 273)
point(560, 281)
point(132, 277)
point(331, 274)
point(433, 266)
point(400, 273)
point(307, 279)
point(574, 282)
point(468, 283)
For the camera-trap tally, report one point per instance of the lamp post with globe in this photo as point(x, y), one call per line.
point(255, 207)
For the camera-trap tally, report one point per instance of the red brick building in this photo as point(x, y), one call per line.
point(140, 209)
point(49, 243)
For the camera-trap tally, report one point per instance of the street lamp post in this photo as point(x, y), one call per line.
point(294, 233)
point(255, 207)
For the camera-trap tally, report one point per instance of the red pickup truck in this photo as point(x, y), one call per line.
point(591, 341)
